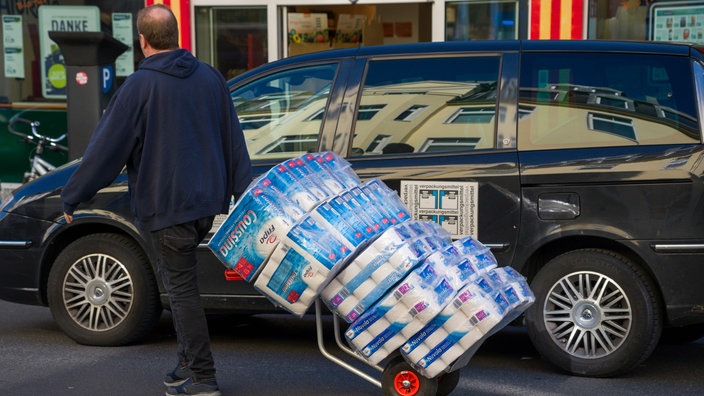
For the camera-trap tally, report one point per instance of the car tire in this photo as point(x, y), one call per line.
point(102, 291)
point(595, 314)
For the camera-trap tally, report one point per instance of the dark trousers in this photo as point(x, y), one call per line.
point(176, 262)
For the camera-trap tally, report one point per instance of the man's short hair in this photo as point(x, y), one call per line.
point(159, 27)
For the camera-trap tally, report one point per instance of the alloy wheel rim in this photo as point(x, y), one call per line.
point(587, 314)
point(98, 292)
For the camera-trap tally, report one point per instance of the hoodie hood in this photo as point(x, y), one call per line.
point(178, 63)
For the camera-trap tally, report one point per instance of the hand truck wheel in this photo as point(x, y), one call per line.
point(400, 379)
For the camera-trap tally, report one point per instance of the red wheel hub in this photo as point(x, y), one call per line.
point(406, 383)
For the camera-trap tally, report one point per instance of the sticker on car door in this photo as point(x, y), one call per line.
point(453, 205)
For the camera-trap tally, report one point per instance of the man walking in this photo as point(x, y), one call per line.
point(173, 125)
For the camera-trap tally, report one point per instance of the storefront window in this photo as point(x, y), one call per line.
point(679, 21)
point(28, 54)
point(33, 79)
point(232, 39)
point(481, 20)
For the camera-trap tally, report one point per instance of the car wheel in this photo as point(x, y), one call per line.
point(102, 291)
point(595, 313)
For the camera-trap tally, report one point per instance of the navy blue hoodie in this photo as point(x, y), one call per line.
point(172, 123)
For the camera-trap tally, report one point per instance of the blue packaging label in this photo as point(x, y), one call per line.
point(318, 242)
point(381, 339)
point(287, 281)
point(251, 231)
point(339, 222)
point(363, 322)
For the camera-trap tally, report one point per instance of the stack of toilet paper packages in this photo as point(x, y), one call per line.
point(300, 223)
point(417, 299)
point(380, 266)
point(488, 303)
point(272, 204)
point(323, 242)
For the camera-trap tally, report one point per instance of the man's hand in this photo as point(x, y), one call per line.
point(68, 218)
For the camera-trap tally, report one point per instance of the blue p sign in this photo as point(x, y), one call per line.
point(108, 76)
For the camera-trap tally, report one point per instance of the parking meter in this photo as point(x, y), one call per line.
point(90, 75)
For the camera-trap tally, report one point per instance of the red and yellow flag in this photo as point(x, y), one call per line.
point(557, 19)
point(182, 11)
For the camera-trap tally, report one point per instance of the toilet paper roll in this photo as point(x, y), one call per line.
point(361, 340)
point(429, 311)
point(418, 353)
point(476, 303)
point(460, 321)
point(413, 327)
point(278, 255)
point(347, 305)
point(389, 345)
point(434, 369)
point(329, 293)
point(307, 297)
point(486, 319)
point(388, 240)
point(398, 314)
point(366, 288)
point(348, 273)
point(402, 257)
point(365, 257)
point(261, 281)
point(382, 272)
point(436, 337)
point(469, 339)
point(378, 327)
point(452, 354)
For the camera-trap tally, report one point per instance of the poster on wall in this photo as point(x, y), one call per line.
point(12, 46)
point(64, 19)
point(453, 205)
point(122, 31)
point(677, 21)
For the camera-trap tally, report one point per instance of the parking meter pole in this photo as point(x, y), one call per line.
point(90, 74)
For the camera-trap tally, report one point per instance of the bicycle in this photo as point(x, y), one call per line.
point(38, 165)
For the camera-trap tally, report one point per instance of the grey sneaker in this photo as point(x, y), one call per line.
point(190, 388)
point(177, 376)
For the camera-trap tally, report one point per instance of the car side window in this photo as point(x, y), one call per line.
point(281, 114)
point(602, 100)
point(427, 105)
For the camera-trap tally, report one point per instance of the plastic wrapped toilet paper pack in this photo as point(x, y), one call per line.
point(283, 180)
point(272, 204)
point(302, 264)
point(253, 229)
point(398, 212)
point(340, 170)
point(416, 300)
point(485, 305)
point(377, 268)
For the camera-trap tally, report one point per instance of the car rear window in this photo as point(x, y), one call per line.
point(606, 99)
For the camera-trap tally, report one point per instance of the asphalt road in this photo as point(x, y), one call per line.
point(278, 355)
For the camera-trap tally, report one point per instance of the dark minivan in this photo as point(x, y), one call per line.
point(580, 164)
